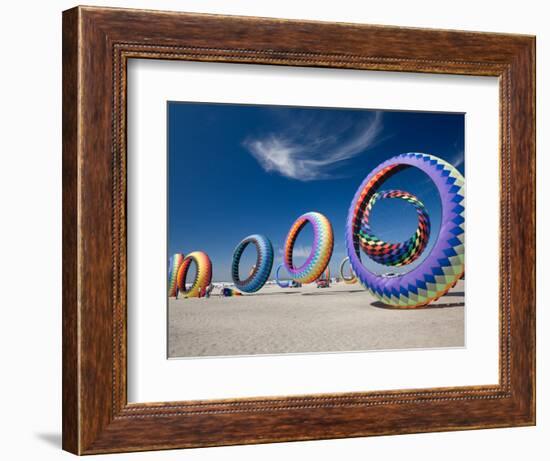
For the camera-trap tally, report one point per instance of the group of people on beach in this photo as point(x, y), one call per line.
point(203, 292)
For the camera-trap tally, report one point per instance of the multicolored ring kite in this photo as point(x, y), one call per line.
point(444, 265)
point(173, 266)
point(351, 279)
point(282, 284)
point(262, 268)
point(395, 254)
point(202, 278)
point(321, 251)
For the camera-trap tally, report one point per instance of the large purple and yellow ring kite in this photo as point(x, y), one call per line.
point(444, 265)
point(264, 262)
point(173, 267)
point(321, 251)
point(203, 276)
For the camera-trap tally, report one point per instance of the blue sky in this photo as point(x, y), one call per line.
point(236, 170)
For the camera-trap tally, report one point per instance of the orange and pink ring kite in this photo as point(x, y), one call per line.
point(321, 251)
point(203, 276)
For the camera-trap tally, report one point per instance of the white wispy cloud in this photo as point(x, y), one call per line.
point(312, 150)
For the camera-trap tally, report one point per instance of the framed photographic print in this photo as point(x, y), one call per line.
point(264, 158)
point(279, 230)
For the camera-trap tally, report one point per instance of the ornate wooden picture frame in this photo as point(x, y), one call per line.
point(97, 44)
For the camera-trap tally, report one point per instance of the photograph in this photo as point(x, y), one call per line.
point(253, 221)
point(296, 230)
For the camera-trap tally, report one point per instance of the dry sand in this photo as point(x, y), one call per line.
point(309, 319)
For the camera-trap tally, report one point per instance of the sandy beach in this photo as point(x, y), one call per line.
point(309, 319)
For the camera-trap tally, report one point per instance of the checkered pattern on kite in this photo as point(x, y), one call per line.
point(444, 265)
point(395, 254)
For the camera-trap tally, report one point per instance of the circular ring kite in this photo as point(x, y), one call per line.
point(440, 270)
point(174, 265)
point(281, 284)
point(321, 251)
point(264, 262)
point(203, 277)
point(395, 254)
point(352, 278)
